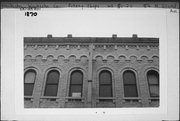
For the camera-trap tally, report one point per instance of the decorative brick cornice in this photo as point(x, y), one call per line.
point(81, 40)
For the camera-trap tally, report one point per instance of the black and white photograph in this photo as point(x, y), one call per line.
point(115, 63)
point(90, 67)
point(91, 72)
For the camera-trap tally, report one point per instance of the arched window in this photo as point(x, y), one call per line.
point(29, 79)
point(153, 81)
point(130, 88)
point(52, 81)
point(105, 84)
point(76, 84)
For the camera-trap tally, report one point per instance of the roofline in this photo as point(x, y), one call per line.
point(90, 40)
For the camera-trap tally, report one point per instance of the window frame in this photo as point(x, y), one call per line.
point(25, 72)
point(111, 84)
point(69, 85)
point(136, 83)
point(153, 84)
point(45, 81)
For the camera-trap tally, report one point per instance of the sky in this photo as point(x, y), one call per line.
point(96, 23)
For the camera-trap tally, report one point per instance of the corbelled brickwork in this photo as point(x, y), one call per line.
point(91, 56)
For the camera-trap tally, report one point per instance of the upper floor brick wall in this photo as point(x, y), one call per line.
point(78, 47)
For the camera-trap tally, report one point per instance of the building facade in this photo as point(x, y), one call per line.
point(91, 72)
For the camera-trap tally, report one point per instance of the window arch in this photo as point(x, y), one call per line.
point(52, 81)
point(76, 84)
point(29, 80)
point(105, 84)
point(130, 87)
point(153, 81)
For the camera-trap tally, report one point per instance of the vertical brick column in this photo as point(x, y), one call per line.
point(143, 89)
point(89, 97)
point(63, 89)
point(118, 89)
point(38, 88)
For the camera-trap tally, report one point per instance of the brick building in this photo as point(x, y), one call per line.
point(84, 72)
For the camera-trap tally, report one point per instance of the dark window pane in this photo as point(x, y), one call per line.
point(28, 89)
point(75, 89)
point(51, 90)
point(129, 77)
point(105, 91)
point(154, 90)
point(29, 79)
point(105, 77)
point(53, 77)
point(76, 77)
point(130, 91)
point(76, 83)
point(153, 78)
point(30, 76)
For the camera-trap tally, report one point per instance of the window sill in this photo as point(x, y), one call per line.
point(49, 98)
point(106, 99)
point(74, 99)
point(153, 99)
point(131, 99)
point(28, 98)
